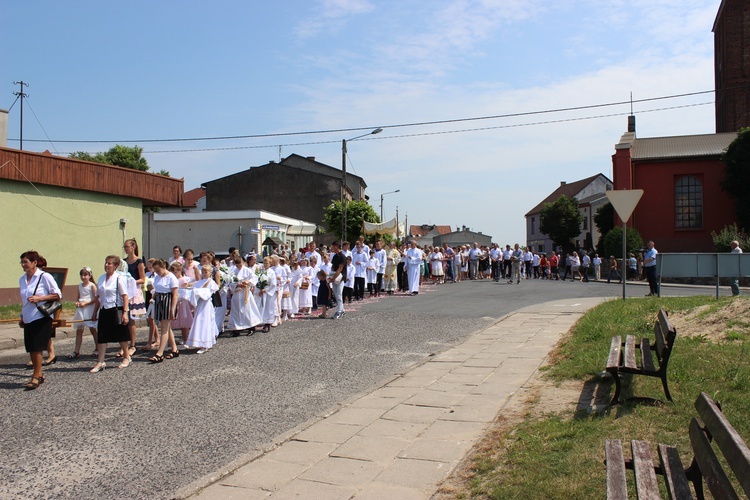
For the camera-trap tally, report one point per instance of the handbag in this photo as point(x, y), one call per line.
point(305, 285)
point(50, 307)
point(286, 295)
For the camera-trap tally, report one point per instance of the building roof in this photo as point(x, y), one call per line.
point(190, 198)
point(569, 189)
point(45, 168)
point(423, 229)
point(309, 163)
point(682, 146)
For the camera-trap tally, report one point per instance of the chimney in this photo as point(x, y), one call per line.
point(3, 128)
point(562, 183)
point(311, 158)
point(631, 123)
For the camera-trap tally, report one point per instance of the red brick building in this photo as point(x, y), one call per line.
point(732, 65)
point(682, 201)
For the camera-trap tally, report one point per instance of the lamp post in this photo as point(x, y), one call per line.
point(343, 178)
point(381, 202)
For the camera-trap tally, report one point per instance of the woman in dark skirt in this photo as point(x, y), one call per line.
point(36, 287)
point(112, 310)
point(165, 310)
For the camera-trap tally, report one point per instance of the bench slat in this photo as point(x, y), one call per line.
point(647, 358)
point(665, 334)
point(617, 485)
point(646, 485)
point(726, 437)
point(614, 352)
point(630, 352)
point(709, 465)
point(674, 473)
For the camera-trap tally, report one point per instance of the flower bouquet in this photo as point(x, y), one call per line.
point(262, 279)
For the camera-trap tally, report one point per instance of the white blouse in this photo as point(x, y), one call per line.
point(110, 291)
point(165, 284)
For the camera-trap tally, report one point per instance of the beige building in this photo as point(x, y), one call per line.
point(73, 212)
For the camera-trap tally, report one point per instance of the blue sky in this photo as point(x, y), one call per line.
point(118, 71)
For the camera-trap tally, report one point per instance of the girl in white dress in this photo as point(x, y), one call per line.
point(305, 286)
point(244, 313)
point(314, 283)
point(204, 332)
point(294, 283)
point(268, 295)
point(184, 316)
point(84, 310)
point(371, 273)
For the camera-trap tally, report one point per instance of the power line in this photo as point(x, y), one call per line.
point(392, 126)
point(457, 131)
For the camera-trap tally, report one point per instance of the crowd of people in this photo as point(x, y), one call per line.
point(242, 294)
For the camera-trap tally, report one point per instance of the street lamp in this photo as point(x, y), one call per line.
point(381, 202)
point(343, 178)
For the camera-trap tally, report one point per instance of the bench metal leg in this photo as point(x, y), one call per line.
point(666, 387)
point(618, 387)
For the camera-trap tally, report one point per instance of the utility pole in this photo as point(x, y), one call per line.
point(21, 95)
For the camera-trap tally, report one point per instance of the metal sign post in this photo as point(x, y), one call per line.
point(624, 202)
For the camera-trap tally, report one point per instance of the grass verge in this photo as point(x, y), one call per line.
point(13, 311)
point(561, 455)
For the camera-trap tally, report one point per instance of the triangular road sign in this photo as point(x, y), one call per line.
point(624, 201)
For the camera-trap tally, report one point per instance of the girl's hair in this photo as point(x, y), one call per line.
point(267, 260)
point(151, 261)
point(208, 269)
point(115, 260)
point(188, 250)
point(85, 270)
point(177, 247)
point(237, 259)
point(135, 246)
point(321, 275)
point(175, 265)
point(158, 262)
point(274, 260)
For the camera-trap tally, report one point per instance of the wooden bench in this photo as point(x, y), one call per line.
point(622, 355)
point(711, 424)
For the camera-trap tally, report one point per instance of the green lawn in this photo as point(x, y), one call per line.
point(561, 456)
point(12, 312)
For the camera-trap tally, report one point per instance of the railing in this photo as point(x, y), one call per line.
point(702, 265)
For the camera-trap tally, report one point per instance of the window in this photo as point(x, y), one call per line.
point(585, 223)
point(533, 225)
point(688, 202)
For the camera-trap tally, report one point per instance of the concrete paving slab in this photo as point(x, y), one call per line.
point(437, 399)
point(463, 378)
point(329, 432)
point(378, 491)
point(414, 381)
point(484, 414)
point(389, 391)
point(343, 472)
point(473, 370)
point(419, 474)
point(460, 431)
point(222, 492)
point(411, 413)
point(300, 488)
point(437, 450)
point(371, 448)
point(301, 452)
point(264, 474)
point(394, 428)
point(356, 416)
point(370, 401)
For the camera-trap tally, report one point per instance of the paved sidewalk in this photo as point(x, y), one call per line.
point(405, 437)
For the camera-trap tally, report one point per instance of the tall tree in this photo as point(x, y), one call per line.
point(604, 219)
point(356, 211)
point(561, 221)
point(121, 156)
point(737, 175)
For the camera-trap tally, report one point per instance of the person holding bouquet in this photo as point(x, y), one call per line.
point(244, 313)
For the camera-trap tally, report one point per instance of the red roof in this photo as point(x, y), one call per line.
point(421, 230)
point(190, 198)
point(566, 189)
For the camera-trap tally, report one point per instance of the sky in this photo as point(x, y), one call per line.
point(140, 71)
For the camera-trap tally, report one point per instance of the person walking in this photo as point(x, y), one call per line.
point(112, 313)
point(649, 266)
point(735, 281)
point(597, 261)
point(338, 277)
point(36, 287)
point(414, 258)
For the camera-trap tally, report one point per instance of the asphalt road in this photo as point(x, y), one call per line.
point(150, 430)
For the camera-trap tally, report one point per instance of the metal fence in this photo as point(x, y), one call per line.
point(702, 265)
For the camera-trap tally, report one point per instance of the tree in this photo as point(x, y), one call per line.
point(737, 175)
point(121, 156)
point(604, 220)
point(613, 241)
point(356, 211)
point(561, 221)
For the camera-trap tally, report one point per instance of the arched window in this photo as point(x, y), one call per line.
point(688, 202)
